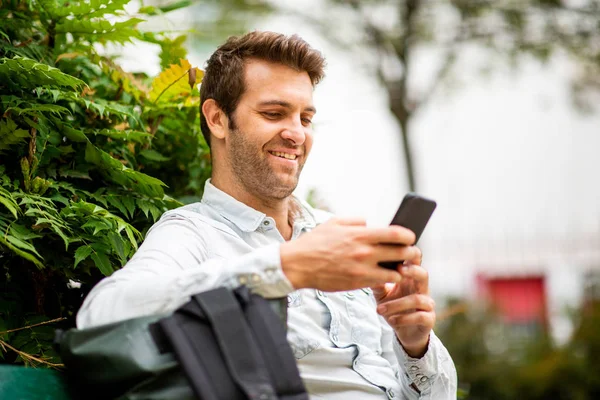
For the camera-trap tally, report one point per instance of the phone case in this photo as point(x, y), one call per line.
point(414, 213)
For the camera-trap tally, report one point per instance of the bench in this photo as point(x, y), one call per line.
point(24, 383)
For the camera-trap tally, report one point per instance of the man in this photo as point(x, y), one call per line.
point(358, 331)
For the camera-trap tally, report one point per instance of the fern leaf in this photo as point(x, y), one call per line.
point(122, 175)
point(37, 108)
point(101, 30)
point(28, 74)
point(83, 8)
point(114, 7)
point(16, 238)
point(126, 135)
point(9, 202)
point(174, 82)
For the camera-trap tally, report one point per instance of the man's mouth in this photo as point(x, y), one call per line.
point(284, 155)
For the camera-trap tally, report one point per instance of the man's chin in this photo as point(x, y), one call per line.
point(283, 187)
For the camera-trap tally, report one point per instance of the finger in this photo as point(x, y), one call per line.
point(403, 305)
point(391, 235)
point(418, 274)
point(381, 291)
point(349, 221)
point(416, 258)
point(386, 252)
point(418, 318)
point(377, 276)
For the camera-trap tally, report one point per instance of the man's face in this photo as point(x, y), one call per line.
point(271, 129)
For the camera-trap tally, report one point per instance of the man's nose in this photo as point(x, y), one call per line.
point(294, 131)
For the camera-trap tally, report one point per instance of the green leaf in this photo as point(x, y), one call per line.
point(144, 205)
point(153, 155)
point(116, 203)
point(102, 263)
point(22, 245)
point(11, 135)
point(28, 73)
point(129, 204)
point(98, 225)
point(82, 253)
point(126, 135)
point(28, 256)
point(116, 243)
point(7, 200)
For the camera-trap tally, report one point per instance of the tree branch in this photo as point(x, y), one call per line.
point(34, 325)
point(5, 345)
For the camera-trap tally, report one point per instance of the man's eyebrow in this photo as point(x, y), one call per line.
point(285, 104)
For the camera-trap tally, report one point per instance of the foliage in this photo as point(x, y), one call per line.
point(90, 156)
point(494, 363)
point(393, 33)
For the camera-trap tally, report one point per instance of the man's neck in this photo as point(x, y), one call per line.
point(281, 210)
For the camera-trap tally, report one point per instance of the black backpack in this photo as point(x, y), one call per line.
point(221, 345)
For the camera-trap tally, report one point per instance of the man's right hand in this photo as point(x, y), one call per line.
point(342, 254)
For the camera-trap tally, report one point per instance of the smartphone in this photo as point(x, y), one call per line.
point(414, 213)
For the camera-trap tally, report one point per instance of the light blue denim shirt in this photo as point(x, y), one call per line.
point(344, 349)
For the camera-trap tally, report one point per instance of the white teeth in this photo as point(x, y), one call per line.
point(284, 155)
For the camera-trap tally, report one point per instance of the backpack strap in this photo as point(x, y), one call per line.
point(270, 335)
point(237, 345)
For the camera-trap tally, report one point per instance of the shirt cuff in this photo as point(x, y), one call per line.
point(420, 371)
point(261, 272)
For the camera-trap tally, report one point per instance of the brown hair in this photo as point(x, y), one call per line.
point(224, 75)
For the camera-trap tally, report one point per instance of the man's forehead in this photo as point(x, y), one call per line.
point(269, 83)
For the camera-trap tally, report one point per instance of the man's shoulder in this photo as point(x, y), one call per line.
point(198, 215)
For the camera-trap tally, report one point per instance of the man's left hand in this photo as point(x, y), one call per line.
point(408, 308)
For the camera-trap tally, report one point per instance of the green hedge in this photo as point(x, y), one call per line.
point(90, 156)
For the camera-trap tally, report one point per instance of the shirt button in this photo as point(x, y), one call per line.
point(266, 223)
point(414, 368)
point(390, 394)
point(424, 379)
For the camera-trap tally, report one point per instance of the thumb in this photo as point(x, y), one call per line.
point(381, 291)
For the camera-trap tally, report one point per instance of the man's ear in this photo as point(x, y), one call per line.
point(215, 118)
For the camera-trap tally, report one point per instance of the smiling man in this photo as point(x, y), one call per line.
point(358, 331)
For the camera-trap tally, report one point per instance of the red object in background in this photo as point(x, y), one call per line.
point(518, 299)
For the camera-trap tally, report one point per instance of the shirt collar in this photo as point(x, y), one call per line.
point(247, 218)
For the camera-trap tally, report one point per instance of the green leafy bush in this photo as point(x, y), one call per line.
point(90, 156)
point(494, 363)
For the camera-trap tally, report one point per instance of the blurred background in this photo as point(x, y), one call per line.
point(491, 109)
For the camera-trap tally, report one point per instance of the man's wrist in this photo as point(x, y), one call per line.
point(289, 262)
point(416, 350)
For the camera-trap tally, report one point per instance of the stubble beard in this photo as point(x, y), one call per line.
point(254, 171)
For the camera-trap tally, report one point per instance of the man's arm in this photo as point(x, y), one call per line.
point(173, 263)
point(170, 266)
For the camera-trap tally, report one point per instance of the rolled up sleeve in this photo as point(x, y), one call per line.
point(173, 264)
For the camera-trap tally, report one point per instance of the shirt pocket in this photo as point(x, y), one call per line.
point(303, 330)
point(365, 327)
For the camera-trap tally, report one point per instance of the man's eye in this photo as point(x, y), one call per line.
point(272, 114)
point(307, 121)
